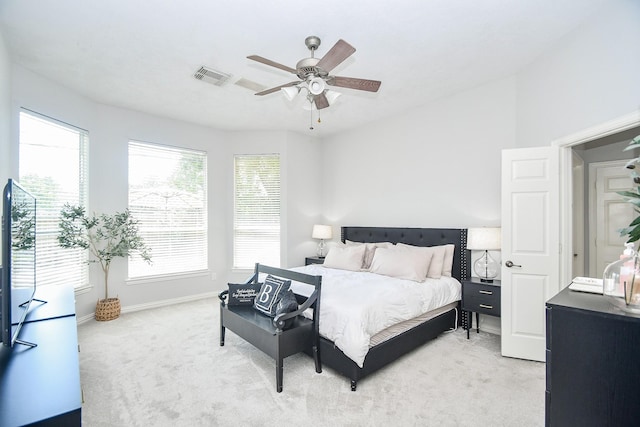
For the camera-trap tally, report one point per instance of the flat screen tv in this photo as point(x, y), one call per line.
point(18, 285)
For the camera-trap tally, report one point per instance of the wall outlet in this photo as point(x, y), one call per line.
point(214, 276)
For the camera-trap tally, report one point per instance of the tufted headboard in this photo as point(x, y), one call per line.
point(417, 237)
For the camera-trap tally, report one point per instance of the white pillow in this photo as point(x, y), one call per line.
point(435, 255)
point(370, 249)
point(345, 257)
point(448, 260)
point(400, 263)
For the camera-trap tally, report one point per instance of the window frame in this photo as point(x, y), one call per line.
point(275, 260)
point(72, 258)
point(144, 220)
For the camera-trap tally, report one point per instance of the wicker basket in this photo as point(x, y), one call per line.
point(108, 309)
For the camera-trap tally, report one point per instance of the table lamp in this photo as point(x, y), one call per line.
point(321, 232)
point(485, 239)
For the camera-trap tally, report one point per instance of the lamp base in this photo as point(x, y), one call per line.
point(321, 248)
point(486, 268)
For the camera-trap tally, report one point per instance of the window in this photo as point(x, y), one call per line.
point(256, 213)
point(168, 198)
point(53, 167)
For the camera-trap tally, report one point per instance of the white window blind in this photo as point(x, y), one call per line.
point(53, 159)
point(256, 219)
point(168, 197)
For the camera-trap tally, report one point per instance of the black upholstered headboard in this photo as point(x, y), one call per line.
point(417, 237)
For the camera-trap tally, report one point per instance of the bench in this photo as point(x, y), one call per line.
point(268, 334)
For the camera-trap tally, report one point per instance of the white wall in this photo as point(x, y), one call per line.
point(589, 78)
point(111, 128)
point(437, 166)
point(5, 115)
point(5, 111)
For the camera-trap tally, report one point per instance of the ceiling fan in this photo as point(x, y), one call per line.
point(314, 73)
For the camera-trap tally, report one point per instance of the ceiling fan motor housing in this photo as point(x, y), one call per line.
point(307, 67)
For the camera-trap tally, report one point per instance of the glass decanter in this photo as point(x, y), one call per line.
point(622, 281)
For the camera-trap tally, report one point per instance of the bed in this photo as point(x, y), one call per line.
point(416, 331)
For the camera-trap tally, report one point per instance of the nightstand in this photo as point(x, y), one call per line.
point(479, 297)
point(313, 260)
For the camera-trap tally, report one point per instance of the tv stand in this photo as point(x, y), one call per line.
point(41, 385)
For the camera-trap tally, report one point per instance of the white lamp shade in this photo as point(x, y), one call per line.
point(321, 232)
point(484, 238)
point(332, 95)
point(290, 92)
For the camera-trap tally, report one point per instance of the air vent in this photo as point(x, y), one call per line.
point(211, 76)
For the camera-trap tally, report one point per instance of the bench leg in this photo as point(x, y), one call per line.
point(222, 328)
point(279, 366)
point(316, 359)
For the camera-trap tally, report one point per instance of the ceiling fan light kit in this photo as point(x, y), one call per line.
point(316, 86)
point(314, 75)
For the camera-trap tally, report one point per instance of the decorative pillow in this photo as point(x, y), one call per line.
point(436, 259)
point(448, 260)
point(287, 304)
point(401, 263)
point(345, 257)
point(243, 293)
point(369, 251)
point(270, 294)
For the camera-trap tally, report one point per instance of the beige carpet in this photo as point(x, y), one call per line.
point(164, 367)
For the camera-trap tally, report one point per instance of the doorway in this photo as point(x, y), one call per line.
point(603, 143)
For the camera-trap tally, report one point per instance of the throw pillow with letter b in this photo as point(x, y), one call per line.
point(270, 294)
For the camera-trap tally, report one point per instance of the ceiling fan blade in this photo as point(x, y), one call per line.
point(353, 83)
point(338, 53)
point(271, 63)
point(321, 101)
point(277, 88)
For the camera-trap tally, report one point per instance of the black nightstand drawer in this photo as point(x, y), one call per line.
point(313, 260)
point(487, 305)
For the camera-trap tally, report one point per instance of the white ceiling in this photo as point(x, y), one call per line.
point(142, 55)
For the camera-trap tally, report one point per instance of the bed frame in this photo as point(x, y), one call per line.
point(390, 350)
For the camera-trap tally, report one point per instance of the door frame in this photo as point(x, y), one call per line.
point(565, 144)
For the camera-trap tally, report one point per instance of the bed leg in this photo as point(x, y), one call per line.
point(353, 385)
point(316, 359)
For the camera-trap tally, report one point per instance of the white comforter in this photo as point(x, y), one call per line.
point(354, 306)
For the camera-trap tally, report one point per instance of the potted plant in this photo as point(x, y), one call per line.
point(106, 237)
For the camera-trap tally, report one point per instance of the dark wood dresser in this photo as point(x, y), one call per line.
point(593, 362)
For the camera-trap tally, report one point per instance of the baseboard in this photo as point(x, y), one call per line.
point(154, 304)
point(490, 324)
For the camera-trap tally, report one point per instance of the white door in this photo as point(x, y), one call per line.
point(609, 213)
point(530, 247)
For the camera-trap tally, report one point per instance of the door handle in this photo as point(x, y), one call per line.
point(511, 264)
